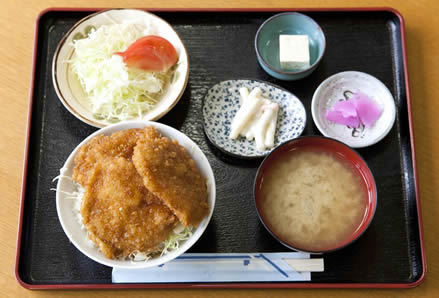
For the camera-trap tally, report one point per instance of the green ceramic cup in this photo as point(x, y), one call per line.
point(267, 43)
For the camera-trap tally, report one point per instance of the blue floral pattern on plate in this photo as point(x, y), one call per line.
point(222, 102)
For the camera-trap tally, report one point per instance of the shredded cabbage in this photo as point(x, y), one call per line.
point(179, 234)
point(115, 92)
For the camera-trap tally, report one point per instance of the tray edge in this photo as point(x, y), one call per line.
point(413, 149)
point(225, 285)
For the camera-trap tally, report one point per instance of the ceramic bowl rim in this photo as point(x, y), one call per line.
point(197, 232)
point(280, 71)
point(364, 225)
point(62, 97)
point(320, 127)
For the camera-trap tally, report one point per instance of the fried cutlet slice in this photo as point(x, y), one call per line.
point(120, 214)
point(171, 174)
point(119, 144)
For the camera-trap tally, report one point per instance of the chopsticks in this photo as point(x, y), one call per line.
point(306, 265)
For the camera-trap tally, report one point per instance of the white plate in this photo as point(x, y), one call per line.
point(68, 87)
point(222, 102)
point(78, 236)
point(334, 89)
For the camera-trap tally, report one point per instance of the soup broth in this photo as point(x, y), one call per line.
point(312, 199)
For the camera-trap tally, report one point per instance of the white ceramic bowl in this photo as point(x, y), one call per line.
point(334, 88)
point(78, 236)
point(68, 87)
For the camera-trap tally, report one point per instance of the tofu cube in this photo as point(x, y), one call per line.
point(294, 52)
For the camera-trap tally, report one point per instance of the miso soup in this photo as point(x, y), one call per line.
point(312, 200)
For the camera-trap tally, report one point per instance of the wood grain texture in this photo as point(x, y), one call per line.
point(16, 32)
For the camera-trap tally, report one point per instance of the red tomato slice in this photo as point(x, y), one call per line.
point(151, 53)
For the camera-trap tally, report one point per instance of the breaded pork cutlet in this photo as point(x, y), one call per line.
point(120, 214)
point(119, 144)
point(138, 186)
point(171, 174)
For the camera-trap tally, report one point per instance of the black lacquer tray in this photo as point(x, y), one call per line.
point(221, 47)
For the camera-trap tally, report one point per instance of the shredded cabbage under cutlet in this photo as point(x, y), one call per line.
point(115, 92)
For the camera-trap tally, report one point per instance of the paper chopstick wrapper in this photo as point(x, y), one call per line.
point(226, 267)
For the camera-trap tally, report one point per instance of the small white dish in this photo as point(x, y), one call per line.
point(338, 87)
point(71, 93)
point(65, 206)
point(222, 102)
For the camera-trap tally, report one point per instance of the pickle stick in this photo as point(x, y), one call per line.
point(249, 125)
point(248, 108)
point(249, 130)
point(244, 94)
point(271, 129)
point(262, 125)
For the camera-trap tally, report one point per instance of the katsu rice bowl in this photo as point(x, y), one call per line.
point(135, 194)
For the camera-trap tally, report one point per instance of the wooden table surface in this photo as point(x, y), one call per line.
point(16, 35)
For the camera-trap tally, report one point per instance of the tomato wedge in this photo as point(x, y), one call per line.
point(150, 53)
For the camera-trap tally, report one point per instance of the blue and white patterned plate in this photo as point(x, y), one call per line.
point(222, 102)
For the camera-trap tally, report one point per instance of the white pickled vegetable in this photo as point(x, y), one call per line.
point(256, 119)
point(271, 129)
point(248, 109)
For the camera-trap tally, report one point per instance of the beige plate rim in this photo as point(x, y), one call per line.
point(77, 114)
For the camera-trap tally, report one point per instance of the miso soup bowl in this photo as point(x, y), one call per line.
point(341, 151)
